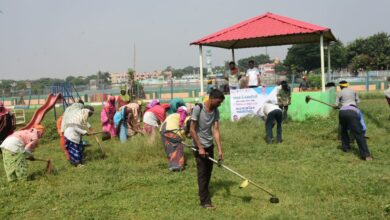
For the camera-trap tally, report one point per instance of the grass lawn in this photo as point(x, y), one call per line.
point(312, 177)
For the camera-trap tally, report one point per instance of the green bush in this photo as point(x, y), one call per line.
point(314, 80)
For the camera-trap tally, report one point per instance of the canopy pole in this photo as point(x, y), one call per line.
point(329, 66)
point(201, 69)
point(322, 62)
point(233, 57)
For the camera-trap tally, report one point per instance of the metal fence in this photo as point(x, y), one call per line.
point(184, 89)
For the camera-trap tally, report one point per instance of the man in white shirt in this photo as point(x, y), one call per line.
point(252, 75)
point(270, 113)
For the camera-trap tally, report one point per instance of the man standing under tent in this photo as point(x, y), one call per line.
point(252, 75)
point(232, 75)
point(204, 130)
point(351, 119)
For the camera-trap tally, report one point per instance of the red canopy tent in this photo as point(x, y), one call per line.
point(267, 30)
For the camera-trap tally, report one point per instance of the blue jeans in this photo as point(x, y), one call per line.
point(275, 115)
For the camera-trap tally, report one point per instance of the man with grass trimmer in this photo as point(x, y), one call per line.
point(351, 119)
point(204, 130)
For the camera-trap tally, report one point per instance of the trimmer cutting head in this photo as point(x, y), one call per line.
point(106, 136)
point(307, 99)
point(244, 184)
point(274, 199)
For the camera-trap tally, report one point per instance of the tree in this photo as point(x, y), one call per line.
point(338, 55)
point(131, 81)
point(281, 68)
point(303, 56)
point(259, 59)
point(368, 53)
point(307, 56)
point(105, 76)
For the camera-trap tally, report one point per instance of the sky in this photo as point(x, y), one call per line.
point(57, 38)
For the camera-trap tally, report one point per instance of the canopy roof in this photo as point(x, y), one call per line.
point(266, 30)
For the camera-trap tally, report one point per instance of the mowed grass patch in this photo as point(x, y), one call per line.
point(309, 173)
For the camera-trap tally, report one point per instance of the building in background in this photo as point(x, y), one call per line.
point(267, 68)
point(119, 78)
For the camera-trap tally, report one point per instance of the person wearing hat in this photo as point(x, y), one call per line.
point(233, 76)
point(17, 148)
point(7, 122)
point(346, 96)
point(351, 120)
point(173, 131)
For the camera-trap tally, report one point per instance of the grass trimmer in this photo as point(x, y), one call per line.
point(105, 136)
point(245, 183)
point(103, 155)
point(308, 98)
point(49, 165)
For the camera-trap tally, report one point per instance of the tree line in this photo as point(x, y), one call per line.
point(370, 53)
point(38, 86)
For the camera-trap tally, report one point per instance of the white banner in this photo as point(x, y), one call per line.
point(245, 102)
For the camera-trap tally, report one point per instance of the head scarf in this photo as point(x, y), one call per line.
point(109, 106)
point(152, 103)
point(182, 111)
point(125, 97)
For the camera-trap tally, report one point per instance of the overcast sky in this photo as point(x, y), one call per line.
point(58, 38)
